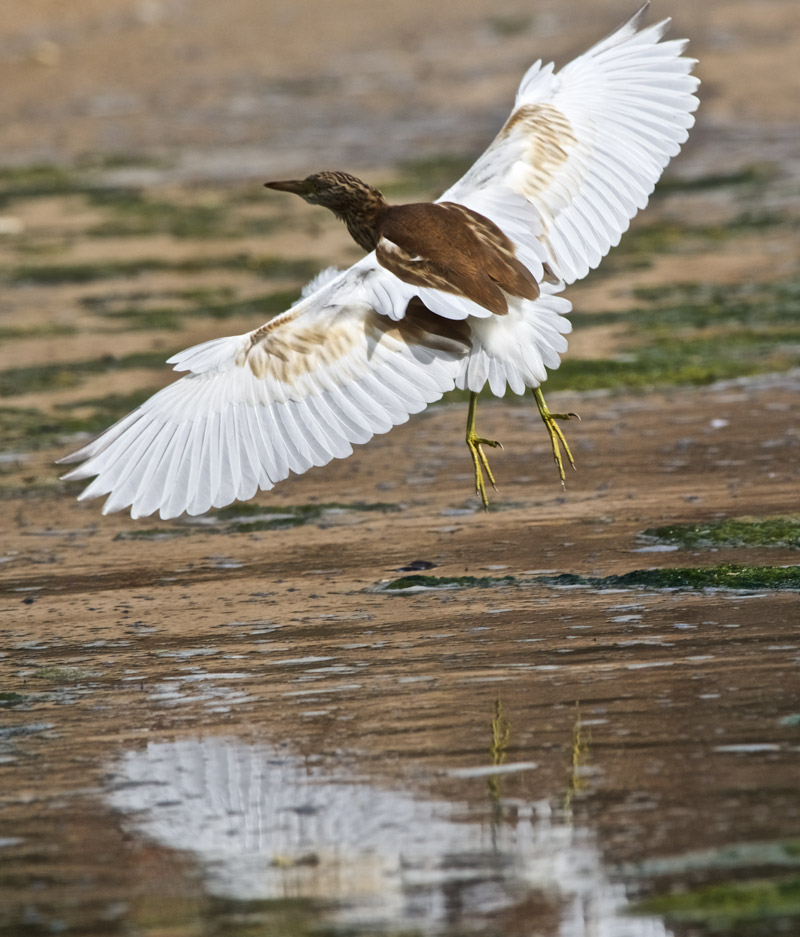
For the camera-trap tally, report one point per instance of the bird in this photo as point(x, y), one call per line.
point(440, 246)
point(457, 293)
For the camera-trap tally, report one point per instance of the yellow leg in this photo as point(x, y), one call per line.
point(479, 460)
point(557, 438)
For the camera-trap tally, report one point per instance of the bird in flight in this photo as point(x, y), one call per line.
point(461, 292)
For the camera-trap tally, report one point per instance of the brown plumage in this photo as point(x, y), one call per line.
point(434, 244)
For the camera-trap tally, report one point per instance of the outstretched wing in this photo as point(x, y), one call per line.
point(586, 145)
point(297, 392)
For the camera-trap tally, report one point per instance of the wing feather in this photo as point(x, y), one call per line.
point(380, 420)
point(274, 446)
point(263, 454)
point(302, 449)
point(212, 458)
point(198, 468)
point(586, 145)
point(329, 430)
point(299, 391)
point(131, 457)
point(231, 465)
point(356, 418)
point(250, 472)
point(183, 465)
point(160, 457)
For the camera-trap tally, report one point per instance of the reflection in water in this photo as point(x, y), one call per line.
point(266, 824)
point(501, 735)
point(580, 758)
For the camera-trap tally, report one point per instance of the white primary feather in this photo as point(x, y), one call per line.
point(586, 145)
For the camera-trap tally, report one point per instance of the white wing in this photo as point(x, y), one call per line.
point(297, 392)
point(585, 146)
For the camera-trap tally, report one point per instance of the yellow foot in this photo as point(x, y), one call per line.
point(481, 463)
point(557, 438)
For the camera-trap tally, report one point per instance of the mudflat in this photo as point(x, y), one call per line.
point(360, 700)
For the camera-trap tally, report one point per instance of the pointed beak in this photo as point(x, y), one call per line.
point(298, 186)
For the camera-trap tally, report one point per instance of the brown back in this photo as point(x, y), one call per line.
point(452, 248)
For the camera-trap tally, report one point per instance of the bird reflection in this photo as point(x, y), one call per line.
point(264, 823)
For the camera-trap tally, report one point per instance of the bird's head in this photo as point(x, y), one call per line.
point(338, 191)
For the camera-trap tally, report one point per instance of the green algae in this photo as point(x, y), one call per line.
point(50, 329)
point(60, 674)
point(34, 489)
point(36, 181)
point(103, 410)
point(699, 359)
point(150, 320)
point(428, 175)
point(445, 582)
point(732, 532)
point(43, 180)
point(141, 316)
point(135, 215)
point(755, 305)
point(772, 854)
point(257, 306)
point(38, 378)
point(667, 363)
point(693, 333)
point(692, 305)
point(751, 177)
point(26, 429)
point(729, 903)
point(111, 303)
point(271, 268)
point(248, 518)
point(252, 518)
point(132, 213)
point(303, 510)
point(723, 576)
point(156, 533)
point(509, 25)
point(638, 246)
point(57, 273)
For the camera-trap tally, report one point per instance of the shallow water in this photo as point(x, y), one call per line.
point(525, 761)
point(216, 729)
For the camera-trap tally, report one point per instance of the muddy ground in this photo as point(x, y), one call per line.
point(257, 723)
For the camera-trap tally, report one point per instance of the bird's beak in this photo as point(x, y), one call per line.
point(298, 186)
